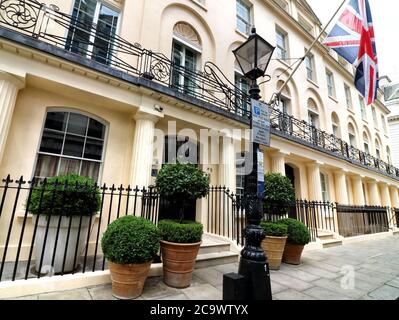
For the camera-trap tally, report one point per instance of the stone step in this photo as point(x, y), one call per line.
point(322, 235)
point(215, 259)
point(395, 232)
point(331, 243)
point(214, 248)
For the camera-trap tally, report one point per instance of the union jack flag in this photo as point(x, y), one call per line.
point(352, 37)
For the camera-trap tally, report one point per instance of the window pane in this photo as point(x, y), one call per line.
point(56, 121)
point(46, 166)
point(93, 149)
point(90, 169)
point(79, 35)
point(51, 142)
point(73, 146)
point(106, 28)
point(77, 124)
point(69, 166)
point(96, 129)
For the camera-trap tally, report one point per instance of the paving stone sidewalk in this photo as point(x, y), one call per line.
point(323, 275)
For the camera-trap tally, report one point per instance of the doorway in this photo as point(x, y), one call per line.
point(178, 148)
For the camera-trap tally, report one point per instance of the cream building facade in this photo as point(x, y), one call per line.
point(66, 105)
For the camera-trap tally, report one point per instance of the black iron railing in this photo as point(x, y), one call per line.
point(41, 245)
point(47, 23)
point(225, 214)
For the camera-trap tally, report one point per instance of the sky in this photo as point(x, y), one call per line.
point(386, 24)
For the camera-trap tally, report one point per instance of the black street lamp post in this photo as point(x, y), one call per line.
point(253, 279)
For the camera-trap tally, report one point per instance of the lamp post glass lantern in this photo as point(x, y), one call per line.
point(253, 57)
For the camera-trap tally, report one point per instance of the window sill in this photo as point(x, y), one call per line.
point(242, 34)
point(333, 99)
point(202, 6)
point(350, 110)
point(313, 83)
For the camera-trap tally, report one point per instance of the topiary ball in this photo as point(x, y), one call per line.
point(131, 240)
point(298, 233)
point(185, 232)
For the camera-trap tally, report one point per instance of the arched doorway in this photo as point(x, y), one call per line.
point(186, 150)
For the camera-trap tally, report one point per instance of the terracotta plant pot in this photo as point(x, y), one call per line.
point(274, 248)
point(128, 279)
point(178, 262)
point(292, 253)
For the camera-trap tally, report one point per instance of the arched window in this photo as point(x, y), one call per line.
point(70, 143)
point(336, 128)
point(366, 142)
point(313, 113)
point(352, 135)
point(186, 50)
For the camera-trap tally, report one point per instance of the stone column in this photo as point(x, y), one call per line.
point(314, 181)
point(9, 87)
point(143, 149)
point(394, 196)
point(357, 185)
point(385, 196)
point(227, 163)
point(341, 190)
point(373, 192)
point(278, 162)
point(394, 204)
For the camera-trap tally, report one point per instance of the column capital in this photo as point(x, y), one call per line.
point(146, 114)
point(279, 153)
point(314, 164)
point(341, 171)
point(233, 134)
point(17, 81)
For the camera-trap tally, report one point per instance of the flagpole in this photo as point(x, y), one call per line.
point(307, 52)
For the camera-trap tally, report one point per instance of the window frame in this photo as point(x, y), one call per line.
point(348, 96)
point(362, 108)
point(96, 15)
point(330, 84)
point(249, 23)
point(182, 87)
point(310, 58)
point(374, 114)
point(280, 31)
point(79, 112)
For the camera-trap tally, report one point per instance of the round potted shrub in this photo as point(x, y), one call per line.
point(63, 209)
point(130, 244)
point(180, 183)
point(279, 196)
point(298, 237)
point(274, 242)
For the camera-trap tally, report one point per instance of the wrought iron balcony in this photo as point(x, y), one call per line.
point(47, 24)
point(294, 129)
point(97, 43)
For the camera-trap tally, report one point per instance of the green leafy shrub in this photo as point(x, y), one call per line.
point(274, 229)
point(180, 232)
point(181, 183)
point(130, 239)
point(279, 194)
point(66, 195)
point(298, 233)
